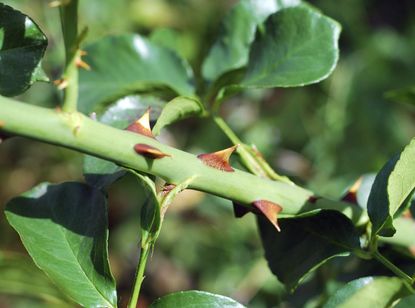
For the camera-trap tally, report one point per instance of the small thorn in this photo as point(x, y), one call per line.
point(167, 188)
point(142, 125)
point(351, 195)
point(240, 210)
point(149, 151)
point(313, 199)
point(270, 210)
point(2, 124)
point(82, 64)
point(61, 83)
point(219, 160)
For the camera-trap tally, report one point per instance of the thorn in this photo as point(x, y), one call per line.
point(239, 210)
point(142, 125)
point(219, 160)
point(2, 124)
point(313, 199)
point(61, 83)
point(58, 109)
point(167, 188)
point(149, 151)
point(270, 210)
point(80, 63)
point(351, 195)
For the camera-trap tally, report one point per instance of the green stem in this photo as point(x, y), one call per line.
point(145, 252)
point(392, 267)
point(69, 21)
point(76, 131)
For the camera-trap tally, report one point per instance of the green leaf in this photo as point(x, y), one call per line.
point(231, 50)
point(19, 276)
point(406, 302)
point(22, 46)
point(392, 191)
point(128, 64)
point(178, 109)
point(99, 172)
point(190, 299)
point(298, 46)
point(64, 229)
point(306, 243)
point(376, 292)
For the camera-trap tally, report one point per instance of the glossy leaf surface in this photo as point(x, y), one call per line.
point(367, 292)
point(129, 64)
point(188, 299)
point(99, 172)
point(22, 46)
point(64, 229)
point(298, 46)
point(305, 243)
point(237, 32)
point(393, 185)
point(178, 109)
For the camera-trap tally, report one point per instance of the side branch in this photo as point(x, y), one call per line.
point(78, 132)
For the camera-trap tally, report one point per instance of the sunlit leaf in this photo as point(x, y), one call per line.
point(392, 189)
point(127, 64)
point(22, 46)
point(296, 47)
point(190, 299)
point(367, 292)
point(64, 229)
point(237, 32)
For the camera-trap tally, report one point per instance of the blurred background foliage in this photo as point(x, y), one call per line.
point(324, 136)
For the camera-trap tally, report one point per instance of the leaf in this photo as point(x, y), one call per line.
point(298, 46)
point(99, 172)
point(178, 109)
point(64, 229)
point(190, 299)
point(392, 189)
point(127, 64)
point(237, 31)
point(22, 46)
point(368, 292)
point(306, 243)
point(19, 276)
point(406, 302)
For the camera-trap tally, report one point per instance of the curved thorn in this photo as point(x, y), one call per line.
point(270, 210)
point(142, 125)
point(149, 151)
point(219, 159)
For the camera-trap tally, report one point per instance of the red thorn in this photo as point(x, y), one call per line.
point(270, 210)
point(149, 151)
point(219, 160)
point(351, 195)
point(142, 125)
point(240, 210)
point(313, 199)
point(167, 188)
